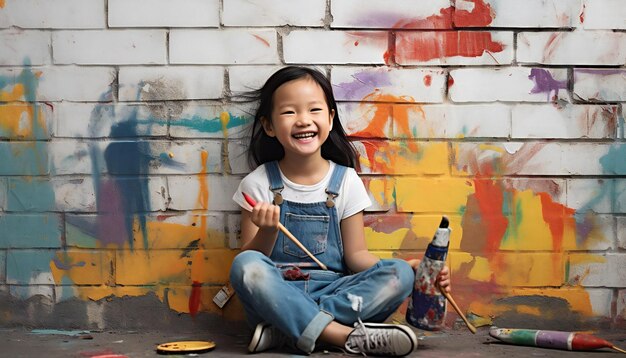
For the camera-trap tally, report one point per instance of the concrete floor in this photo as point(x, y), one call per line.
point(232, 341)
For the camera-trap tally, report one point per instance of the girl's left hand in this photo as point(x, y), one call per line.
point(444, 279)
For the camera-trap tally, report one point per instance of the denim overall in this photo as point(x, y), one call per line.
point(291, 292)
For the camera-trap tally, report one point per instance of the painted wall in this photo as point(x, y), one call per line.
point(120, 149)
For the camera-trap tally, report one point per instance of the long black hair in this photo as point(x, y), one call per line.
point(264, 148)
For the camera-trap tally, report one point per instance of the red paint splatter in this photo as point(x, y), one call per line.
point(555, 215)
point(265, 42)
point(582, 15)
point(356, 43)
point(489, 196)
point(421, 46)
point(194, 298)
point(450, 81)
point(428, 80)
point(481, 15)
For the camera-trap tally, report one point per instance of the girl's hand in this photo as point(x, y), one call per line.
point(444, 279)
point(266, 216)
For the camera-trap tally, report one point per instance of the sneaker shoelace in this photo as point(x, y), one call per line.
point(370, 340)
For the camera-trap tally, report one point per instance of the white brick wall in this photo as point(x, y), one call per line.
point(24, 48)
point(136, 104)
point(274, 13)
point(571, 48)
point(334, 47)
point(223, 46)
point(163, 13)
point(109, 47)
point(53, 14)
point(604, 14)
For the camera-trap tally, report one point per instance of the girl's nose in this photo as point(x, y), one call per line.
point(304, 121)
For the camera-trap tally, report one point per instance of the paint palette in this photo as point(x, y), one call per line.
point(185, 347)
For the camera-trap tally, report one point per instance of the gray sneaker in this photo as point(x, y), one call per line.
point(265, 337)
point(381, 339)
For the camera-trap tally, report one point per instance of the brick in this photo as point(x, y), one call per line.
point(26, 121)
point(555, 188)
point(29, 267)
point(439, 48)
point(446, 121)
point(594, 195)
point(619, 203)
point(163, 13)
point(425, 195)
point(384, 84)
point(31, 231)
point(3, 194)
point(391, 157)
point(603, 14)
point(572, 48)
point(75, 157)
point(274, 13)
point(210, 266)
point(621, 232)
point(381, 191)
point(53, 14)
point(513, 84)
point(233, 46)
point(151, 267)
point(24, 158)
point(600, 85)
point(364, 119)
point(211, 121)
point(189, 157)
point(101, 120)
point(597, 270)
point(594, 159)
point(334, 47)
point(527, 14)
point(25, 48)
point(170, 83)
point(600, 300)
point(238, 156)
point(42, 292)
point(249, 78)
point(83, 267)
point(210, 192)
point(565, 122)
point(109, 47)
point(404, 14)
point(69, 83)
point(505, 158)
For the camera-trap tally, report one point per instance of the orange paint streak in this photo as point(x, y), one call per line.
point(422, 47)
point(378, 122)
point(1, 3)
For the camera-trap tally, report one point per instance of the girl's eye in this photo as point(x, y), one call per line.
point(287, 112)
point(316, 109)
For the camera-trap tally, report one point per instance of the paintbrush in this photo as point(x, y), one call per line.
point(457, 309)
point(289, 235)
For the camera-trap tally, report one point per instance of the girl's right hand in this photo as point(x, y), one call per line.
point(266, 216)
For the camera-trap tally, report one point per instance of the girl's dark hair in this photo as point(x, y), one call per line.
point(264, 148)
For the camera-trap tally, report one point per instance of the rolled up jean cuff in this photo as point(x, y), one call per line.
point(306, 342)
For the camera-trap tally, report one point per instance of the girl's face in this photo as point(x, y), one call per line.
point(301, 120)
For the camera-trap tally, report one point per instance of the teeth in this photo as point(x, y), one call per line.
point(304, 135)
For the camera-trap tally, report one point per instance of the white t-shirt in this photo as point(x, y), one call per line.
point(352, 197)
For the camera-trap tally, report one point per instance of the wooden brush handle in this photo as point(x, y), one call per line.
point(457, 309)
point(297, 242)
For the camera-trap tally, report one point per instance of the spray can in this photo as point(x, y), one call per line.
point(427, 306)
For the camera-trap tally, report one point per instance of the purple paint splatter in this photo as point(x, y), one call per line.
point(364, 83)
point(66, 266)
point(545, 83)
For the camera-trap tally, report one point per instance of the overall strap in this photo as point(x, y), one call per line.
point(335, 184)
point(276, 182)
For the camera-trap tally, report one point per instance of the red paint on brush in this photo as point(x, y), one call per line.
point(249, 199)
point(194, 298)
point(585, 342)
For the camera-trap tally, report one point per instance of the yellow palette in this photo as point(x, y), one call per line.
point(186, 347)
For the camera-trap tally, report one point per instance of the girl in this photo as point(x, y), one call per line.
point(306, 181)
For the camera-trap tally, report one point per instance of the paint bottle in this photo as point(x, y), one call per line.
point(427, 306)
